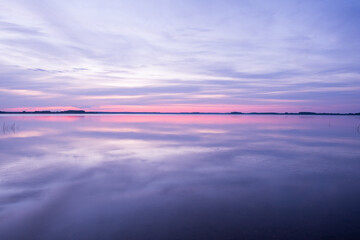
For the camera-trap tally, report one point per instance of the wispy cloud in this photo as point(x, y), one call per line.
point(26, 92)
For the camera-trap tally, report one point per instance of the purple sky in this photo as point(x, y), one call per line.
point(180, 55)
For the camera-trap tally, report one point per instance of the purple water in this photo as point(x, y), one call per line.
point(179, 177)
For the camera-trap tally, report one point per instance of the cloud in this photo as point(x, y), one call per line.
point(26, 92)
point(112, 53)
point(15, 28)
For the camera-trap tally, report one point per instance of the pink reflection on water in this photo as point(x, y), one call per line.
point(43, 118)
point(195, 119)
point(67, 172)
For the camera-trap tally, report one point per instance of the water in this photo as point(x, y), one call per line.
point(179, 177)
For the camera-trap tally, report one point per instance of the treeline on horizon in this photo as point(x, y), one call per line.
point(95, 112)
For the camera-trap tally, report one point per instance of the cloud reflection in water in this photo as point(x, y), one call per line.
point(180, 177)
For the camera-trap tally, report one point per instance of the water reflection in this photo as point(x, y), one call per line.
point(9, 128)
point(180, 177)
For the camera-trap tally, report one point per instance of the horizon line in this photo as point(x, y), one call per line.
point(194, 113)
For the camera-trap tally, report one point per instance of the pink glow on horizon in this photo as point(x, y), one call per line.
point(31, 109)
point(183, 108)
point(192, 108)
point(169, 108)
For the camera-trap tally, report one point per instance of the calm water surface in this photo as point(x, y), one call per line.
point(179, 177)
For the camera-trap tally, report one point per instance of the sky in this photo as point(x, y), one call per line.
point(184, 55)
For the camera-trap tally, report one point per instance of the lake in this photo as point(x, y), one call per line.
point(179, 177)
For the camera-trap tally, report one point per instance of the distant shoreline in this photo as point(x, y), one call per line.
point(77, 112)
